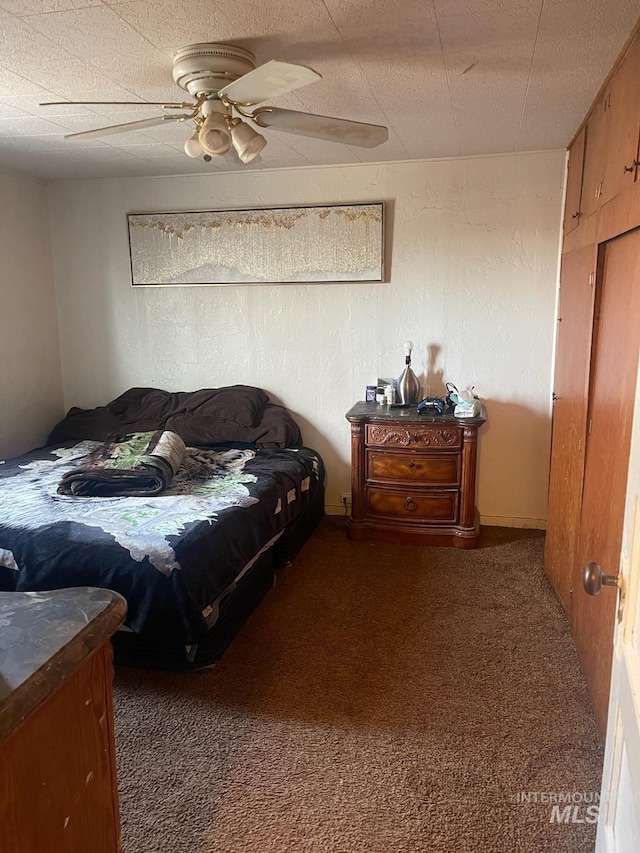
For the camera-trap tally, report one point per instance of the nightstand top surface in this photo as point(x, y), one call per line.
point(363, 411)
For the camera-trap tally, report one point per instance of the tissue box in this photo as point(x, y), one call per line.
point(467, 410)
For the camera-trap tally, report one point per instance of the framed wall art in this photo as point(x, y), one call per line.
point(324, 243)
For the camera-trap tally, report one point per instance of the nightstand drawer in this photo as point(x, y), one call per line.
point(396, 466)
point(413, 435)
point(431, 506)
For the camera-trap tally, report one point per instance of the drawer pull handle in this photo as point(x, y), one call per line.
point(410, 505)
point(411, 463)
point(412, 437)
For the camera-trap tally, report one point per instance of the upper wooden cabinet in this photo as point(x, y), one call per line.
point(623, 127)
point(594, 165)
point(574, 183)
point(603, 180)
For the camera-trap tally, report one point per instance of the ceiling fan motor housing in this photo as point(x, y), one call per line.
point(207, 67)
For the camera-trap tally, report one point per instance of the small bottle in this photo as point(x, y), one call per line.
point(390, 391)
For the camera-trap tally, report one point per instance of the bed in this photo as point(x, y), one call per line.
point(193, 561)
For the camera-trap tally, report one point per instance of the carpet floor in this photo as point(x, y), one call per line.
point(381, 699)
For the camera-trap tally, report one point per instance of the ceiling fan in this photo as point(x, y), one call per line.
point(227, 87)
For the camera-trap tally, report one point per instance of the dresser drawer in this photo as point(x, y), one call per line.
point(413, 435)
point(397, 466)
point(424, 506)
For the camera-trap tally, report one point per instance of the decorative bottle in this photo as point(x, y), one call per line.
point(408, 389)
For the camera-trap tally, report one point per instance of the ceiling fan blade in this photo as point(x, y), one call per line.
point(322, 127)
point(125, 128)
point(268, 81)
point(164, 104)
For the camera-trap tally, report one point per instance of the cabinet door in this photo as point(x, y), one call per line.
point(574, 183)
point(621, 169)
point(593, 172)
point(571, 388)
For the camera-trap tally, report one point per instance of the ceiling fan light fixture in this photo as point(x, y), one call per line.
point(214, 137)
point(192, 147)
point(247, 142)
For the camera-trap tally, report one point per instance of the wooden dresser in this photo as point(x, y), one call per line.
point(413, 477)
point(58, 791)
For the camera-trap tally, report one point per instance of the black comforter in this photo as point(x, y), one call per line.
point(235, 413)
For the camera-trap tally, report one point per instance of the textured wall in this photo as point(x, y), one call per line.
point(472, 249)
point(30, 378)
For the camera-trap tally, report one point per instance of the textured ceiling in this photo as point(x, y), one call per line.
point(447, 77)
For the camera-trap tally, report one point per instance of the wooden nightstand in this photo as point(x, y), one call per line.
point(413, 477)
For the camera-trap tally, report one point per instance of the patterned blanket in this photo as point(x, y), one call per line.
point(170, 555)
point(141, 463)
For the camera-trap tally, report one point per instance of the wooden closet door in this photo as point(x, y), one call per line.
point(611, 403)
point(571, 388)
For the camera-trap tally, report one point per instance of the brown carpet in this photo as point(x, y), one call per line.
point(381, 699)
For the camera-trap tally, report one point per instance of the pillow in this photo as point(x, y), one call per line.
point(240, 403)
point(275, 429)
point(202, 431)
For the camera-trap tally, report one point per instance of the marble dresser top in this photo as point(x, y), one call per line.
point(44, 637)
point(363, 411)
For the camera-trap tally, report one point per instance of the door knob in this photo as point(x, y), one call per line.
point(593, 579)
